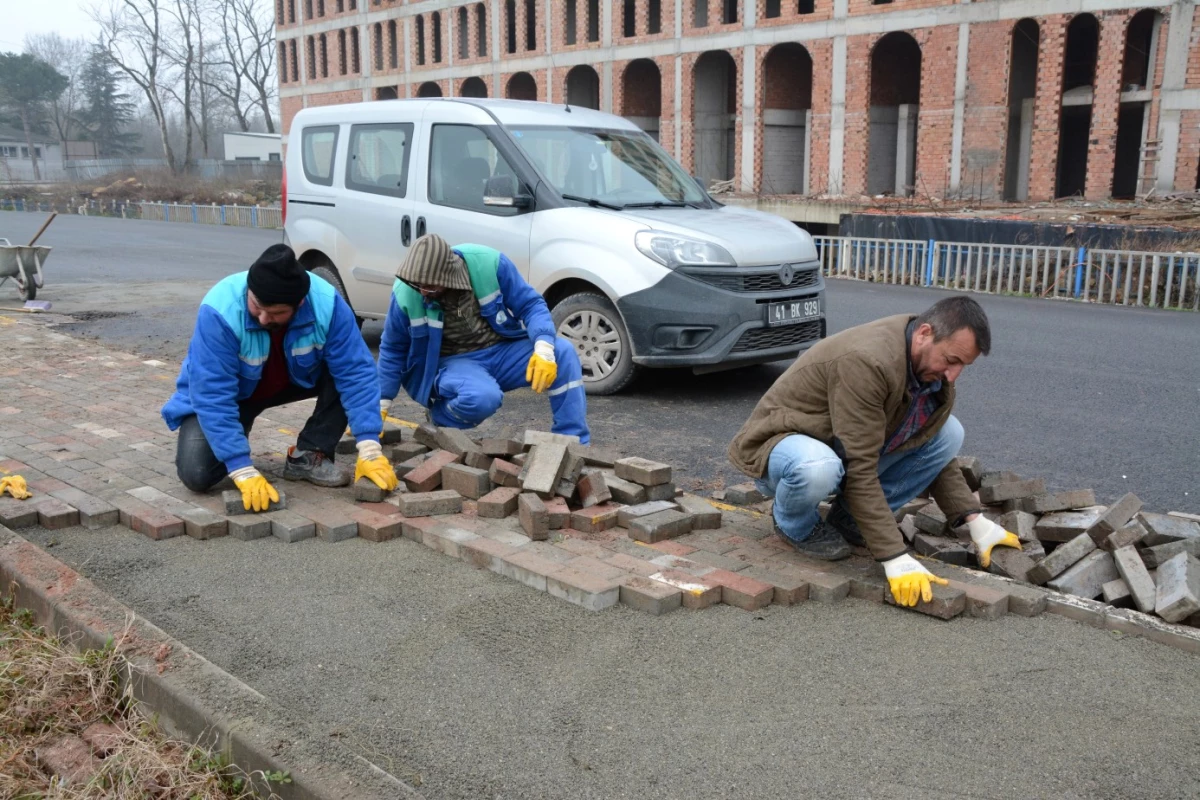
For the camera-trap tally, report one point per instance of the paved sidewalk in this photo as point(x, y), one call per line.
point(473, 685)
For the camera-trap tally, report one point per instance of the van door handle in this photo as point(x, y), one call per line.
point(420, 227)
point(405, 230)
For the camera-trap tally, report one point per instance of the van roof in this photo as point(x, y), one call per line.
point(509, 112)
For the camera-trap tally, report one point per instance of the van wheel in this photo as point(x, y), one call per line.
point(594, 328)
point(328, 273)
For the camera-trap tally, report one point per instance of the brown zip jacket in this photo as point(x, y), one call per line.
point(850, 391)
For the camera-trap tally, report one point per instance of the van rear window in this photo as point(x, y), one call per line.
point(318, 146)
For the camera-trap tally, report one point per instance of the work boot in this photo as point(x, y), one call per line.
point(825, 543)
point(314, 467)
point(841, 521)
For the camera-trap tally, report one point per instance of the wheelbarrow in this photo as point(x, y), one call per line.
point(23, 263)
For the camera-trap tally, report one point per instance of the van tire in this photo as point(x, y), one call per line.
point(580, 318)
point(329, 274)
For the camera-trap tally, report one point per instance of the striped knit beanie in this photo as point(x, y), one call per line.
point(431, 262)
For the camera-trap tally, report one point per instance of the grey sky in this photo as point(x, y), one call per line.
point(69, 18)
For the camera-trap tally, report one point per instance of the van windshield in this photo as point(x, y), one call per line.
point(609, 167)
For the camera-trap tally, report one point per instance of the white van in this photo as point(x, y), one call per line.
point(640, 266)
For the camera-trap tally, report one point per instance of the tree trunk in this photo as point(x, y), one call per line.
point(265, 103)
point(37, 175)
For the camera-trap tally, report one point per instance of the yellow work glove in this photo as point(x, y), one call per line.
point(257, 493)
point(986, 535)
point(542, 370)
point(373, 465)
point(909, 581)
point(15, 485)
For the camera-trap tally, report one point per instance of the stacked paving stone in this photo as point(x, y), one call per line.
point(1121, 555)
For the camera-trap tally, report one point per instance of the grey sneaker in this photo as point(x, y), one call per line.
point(307, 465)
point(841, 521)
point(825, 543)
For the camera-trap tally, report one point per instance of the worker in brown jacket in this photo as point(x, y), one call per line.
point(865, 415)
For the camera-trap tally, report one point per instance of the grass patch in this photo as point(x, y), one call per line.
point(50, 693)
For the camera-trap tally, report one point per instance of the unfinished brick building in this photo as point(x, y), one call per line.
point(992, 99)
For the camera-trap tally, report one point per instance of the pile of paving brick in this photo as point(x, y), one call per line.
point(1121, 553)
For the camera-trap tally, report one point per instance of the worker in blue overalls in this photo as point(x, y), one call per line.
point(463, 328)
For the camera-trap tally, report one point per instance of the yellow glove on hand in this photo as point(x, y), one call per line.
point(909, 581)
point(15, 485)
point(257, 493)
point(373, 465)
point(542, 370)
point(986, 535)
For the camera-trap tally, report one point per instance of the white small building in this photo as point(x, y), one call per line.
point(240, 146)
point(16, 163)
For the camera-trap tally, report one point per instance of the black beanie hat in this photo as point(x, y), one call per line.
point(276, 278)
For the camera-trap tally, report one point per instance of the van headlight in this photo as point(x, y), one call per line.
point(672, 250)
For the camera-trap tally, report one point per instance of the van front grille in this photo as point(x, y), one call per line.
point(782, 336)
point(741, 281)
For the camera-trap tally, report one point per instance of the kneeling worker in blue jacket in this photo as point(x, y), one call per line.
point(274, 335)
point(463, 328)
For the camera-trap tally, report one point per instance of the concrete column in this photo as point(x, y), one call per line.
point(366, 57)
point(960, 107)
point(606, 27)
point(606, 87)
point(678, 102)
point(837, 117)
point(678, 23)
point(808, 121)
point(1174, 79)
point(1024, 149)
point(497, 24)
point(906, 151)
point(405, 43)
point(749, 120)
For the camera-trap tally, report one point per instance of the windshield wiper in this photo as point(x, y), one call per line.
point(592, 201)
point(661, 204)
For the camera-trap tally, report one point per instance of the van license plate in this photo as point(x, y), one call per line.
point(793, 311)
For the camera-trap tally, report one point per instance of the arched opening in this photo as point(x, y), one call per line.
point(510, 26)
point(1075, 122)
point(714, 105)
point(641, 95)
point(463, 43)
point(895, 105)
point(480, 30)
point(530, 25)
point(473, 87)
point(1022, 88)
point(435, 23)
point(583, 87)
point(420, 40)
point(521, 86)
point(385, 93)
point(378, 46)
point(1133, 119)
point(429, 89)
point(787, 113)
point(393, 45)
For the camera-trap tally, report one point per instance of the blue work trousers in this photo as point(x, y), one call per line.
point(470, 387)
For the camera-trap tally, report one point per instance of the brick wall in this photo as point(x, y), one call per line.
point(1043, 166)
point(1102, 147)
point(985, 128)
point(382, 50)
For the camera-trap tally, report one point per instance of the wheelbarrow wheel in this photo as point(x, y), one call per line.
point(26, 289)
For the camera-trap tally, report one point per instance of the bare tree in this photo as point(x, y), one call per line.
point(133, 32)
point(248, 28)
point(68, 56)
point(180, 47)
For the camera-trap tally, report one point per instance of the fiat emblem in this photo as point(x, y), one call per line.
point(786, 274)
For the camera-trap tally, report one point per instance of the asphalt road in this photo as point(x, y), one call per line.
point(473, 686)
point(1084, 396)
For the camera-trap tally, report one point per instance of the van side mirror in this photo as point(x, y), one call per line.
point(502, 191)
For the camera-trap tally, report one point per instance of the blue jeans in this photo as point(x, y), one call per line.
point(470, 387)
point(802, 472)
